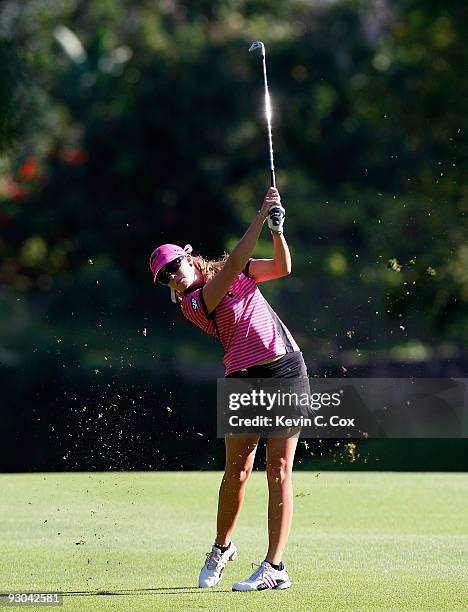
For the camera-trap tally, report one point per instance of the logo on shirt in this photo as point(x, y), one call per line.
point(194, 303)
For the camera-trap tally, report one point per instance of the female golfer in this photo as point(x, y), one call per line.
point(223, 299)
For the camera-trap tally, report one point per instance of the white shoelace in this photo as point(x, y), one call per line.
point(214, 560)
point(258, 574)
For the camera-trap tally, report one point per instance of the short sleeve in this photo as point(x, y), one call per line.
point(194, 309)
point(247, 268)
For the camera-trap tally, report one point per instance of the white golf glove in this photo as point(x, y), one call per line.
point(276, 216)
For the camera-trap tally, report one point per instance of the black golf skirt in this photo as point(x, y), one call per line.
point(290, 365)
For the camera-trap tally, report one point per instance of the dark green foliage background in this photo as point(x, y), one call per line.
point(156, 134)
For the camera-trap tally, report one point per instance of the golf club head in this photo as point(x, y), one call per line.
point(257, 44)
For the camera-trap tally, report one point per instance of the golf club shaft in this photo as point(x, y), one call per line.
point(268, 117)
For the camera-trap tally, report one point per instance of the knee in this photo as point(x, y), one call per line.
point(235, 474)
point(279, 472)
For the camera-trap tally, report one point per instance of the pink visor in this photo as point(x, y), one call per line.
point(163, 255)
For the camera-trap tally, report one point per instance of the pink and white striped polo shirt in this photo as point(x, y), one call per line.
point(246, 325)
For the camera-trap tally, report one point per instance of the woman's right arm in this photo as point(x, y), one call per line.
point(216, 288)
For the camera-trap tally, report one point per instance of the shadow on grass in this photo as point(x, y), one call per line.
point(177, 590)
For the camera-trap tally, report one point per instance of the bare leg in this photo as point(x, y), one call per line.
point(240, 455)
point(280, 458)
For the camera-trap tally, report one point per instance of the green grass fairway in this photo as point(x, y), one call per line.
point(136, 541)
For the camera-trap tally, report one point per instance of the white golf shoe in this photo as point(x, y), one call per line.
point(212, 572)
point(264, 577)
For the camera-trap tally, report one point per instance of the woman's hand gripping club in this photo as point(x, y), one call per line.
point(273, 209)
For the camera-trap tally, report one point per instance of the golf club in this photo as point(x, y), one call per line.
point(259, 45)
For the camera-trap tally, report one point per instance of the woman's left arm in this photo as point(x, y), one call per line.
point(267, 269)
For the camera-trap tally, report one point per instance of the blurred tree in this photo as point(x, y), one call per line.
point(123, 125)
